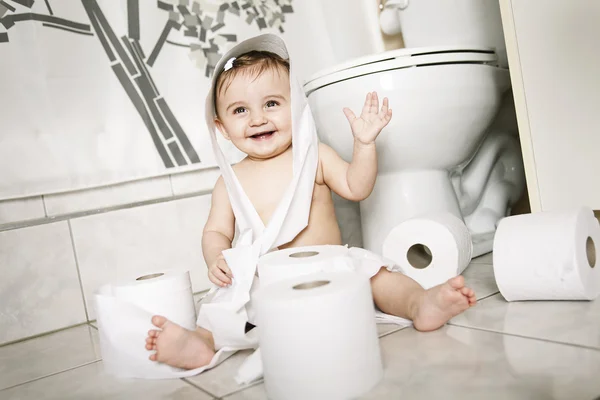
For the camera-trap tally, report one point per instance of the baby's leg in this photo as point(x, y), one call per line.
point(397, 294)
point(179, 347)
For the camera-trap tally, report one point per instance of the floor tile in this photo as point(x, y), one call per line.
point(386, 329)
point(122, 245)
point(39, 286)
point(220, 381)
point(45, 355)
point(91, 382)
point(480, 278)
point(256, 392)
point(573, 322)
point(461, 363)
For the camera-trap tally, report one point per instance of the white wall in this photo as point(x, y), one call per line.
point(554, 59)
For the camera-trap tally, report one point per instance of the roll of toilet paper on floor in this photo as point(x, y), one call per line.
point(548, 256)
point(284, 264)
point(124, 313)
point(318, 337)
point(430, 249)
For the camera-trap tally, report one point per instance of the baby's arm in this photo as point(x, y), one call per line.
point(218, 235)
point(355, 181)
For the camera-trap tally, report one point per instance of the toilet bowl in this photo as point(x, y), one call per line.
point(452, 144)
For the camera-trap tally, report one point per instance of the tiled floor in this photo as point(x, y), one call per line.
point(496, 350)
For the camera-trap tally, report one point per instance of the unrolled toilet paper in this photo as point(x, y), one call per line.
point(548, 256)
point(430, 249)
point(318, 337)
point(124, 312)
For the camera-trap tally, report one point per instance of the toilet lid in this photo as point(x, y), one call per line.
point(402, 58)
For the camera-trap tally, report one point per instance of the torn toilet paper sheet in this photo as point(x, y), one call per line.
point(224, 310)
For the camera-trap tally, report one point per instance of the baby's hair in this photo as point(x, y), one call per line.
point(254, 62)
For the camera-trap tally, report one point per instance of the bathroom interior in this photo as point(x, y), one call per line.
point(495, 113)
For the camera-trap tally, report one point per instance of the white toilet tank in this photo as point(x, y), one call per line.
point(427, 23)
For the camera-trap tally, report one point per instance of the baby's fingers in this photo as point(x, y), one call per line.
point(222, 265)
point(349, 114)
point(374, 102)
point(384, 107)
point(217, 277)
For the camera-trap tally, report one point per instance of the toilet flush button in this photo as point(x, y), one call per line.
point(386, 81)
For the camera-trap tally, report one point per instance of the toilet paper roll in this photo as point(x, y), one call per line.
point(124, 313)
point(284, 264)
point(430, 249)
point(548, 256)
point(318, 337)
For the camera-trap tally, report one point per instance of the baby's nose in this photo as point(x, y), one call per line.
point(258, 118)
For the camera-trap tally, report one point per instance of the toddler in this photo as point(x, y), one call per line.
point(252, 103)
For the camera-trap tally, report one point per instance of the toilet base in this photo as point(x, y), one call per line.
point(402, 195)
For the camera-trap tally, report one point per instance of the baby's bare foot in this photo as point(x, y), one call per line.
point(177, 346)
point(440, 303)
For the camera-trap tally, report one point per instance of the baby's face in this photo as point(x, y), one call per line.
point(255, 114)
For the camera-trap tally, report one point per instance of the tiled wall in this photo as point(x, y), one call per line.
point(56, 250)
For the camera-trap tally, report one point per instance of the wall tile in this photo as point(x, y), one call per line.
point(195, 181)
point(108, 196)
point(39, 289)
point(124, 244)
point(21, 209)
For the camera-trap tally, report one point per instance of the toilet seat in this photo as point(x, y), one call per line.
point(402, 58)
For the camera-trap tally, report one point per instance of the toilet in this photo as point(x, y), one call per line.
point(452, 144)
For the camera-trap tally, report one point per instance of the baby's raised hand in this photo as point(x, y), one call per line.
point(371, 121)
point(219, 273)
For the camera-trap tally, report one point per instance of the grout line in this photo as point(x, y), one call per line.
point(253, 384)
point(44, 205)
point(87, 317)
point(581, 346)
point(488, 296)
point(42, 221)
point(394, 331)
point(198, 387)
point(50, 375)
point(24, 339)
point(171, 185)
point(93, 326)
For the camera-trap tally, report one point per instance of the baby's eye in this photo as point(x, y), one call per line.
point(239, 110)
point(272, 103)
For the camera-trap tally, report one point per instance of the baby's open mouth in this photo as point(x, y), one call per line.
point(263, 135)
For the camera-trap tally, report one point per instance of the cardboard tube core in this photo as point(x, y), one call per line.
point(311, 285)
point(151, 276)
point(419, 256)
point(590, 250)
point(304, 254)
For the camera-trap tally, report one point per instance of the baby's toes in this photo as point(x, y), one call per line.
point(153, 333)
